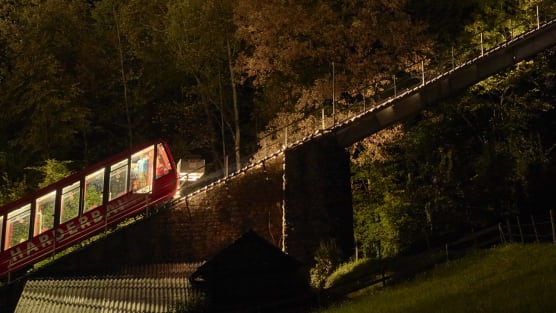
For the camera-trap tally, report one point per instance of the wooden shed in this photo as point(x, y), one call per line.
point(252, 273)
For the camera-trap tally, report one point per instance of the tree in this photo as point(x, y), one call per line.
point(366, 40)
point(460, 165)
point(123, 69)
point(466, 162)
point(11, 190)
point(52, 171)
point(445, 20)
point(517, 142)
point(137, 86)
point(201, 36)
point(42, 98)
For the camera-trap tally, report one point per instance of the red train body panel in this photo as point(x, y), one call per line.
point(85, 203)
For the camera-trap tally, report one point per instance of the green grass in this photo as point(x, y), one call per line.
point(349, 271)
point(356, 274)
point(511, 278)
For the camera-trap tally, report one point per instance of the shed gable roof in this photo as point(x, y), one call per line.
point(248, 255)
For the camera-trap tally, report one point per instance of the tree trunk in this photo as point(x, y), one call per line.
point(206, 107)
point(237, 133)
point(124, 81)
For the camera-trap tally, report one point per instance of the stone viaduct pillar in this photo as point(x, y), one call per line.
point(317, 201)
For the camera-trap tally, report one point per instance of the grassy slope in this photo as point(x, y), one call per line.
point(512, 278)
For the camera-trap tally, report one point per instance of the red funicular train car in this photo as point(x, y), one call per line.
point(84, 203)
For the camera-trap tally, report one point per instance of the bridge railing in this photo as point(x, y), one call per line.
point(300, 127)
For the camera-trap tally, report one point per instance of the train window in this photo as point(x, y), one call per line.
point(162, 162)
point(70, 202)
point(44, 214)
point(17, 226)
point(142, 170)
point(94, 187)
point(118, 179)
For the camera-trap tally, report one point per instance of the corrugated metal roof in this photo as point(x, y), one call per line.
point(105, 295)
point(161, 270)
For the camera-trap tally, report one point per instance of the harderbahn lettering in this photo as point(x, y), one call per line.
point(46, 242)
point(68, 233)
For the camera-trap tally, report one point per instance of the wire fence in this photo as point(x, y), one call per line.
point(513, 229)
point(528, 229)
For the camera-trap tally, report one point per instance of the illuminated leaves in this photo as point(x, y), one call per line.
point(365, 39)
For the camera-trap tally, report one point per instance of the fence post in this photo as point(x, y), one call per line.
point(226, 166)
point(511, 29)
point(538, 18)
point(453, 60)
point(333, 96)
point(482, 48)
point(447, 255)
point(535, 229)
point(552, 224)
point(509, 225)
point(422, 73)
point(520, 230)
point(323, 117)
point(502, 237)
point(395, 92)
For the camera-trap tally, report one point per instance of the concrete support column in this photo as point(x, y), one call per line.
point(317, 198)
